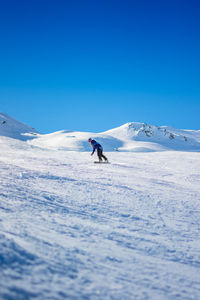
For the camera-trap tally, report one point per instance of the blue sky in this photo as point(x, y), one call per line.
point(94, 65)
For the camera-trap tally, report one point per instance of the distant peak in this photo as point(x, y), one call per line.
point(12, 128)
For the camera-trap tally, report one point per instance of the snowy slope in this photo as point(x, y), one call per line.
point(135, 137)
point(74, 141)
point(12, 128)
point(140, 135)
point(71, 229)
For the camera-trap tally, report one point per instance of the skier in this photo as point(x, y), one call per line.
point(99, 148)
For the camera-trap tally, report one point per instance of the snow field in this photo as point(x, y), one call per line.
point(71, 229)
point(130, 137)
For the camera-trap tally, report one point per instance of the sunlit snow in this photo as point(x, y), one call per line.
point(72, 229)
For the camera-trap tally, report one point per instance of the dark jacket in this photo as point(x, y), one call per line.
point(95, 146)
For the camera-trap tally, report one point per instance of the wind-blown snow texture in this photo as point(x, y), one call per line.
point(71, 229)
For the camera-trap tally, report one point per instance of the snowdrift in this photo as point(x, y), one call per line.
point(133, 137)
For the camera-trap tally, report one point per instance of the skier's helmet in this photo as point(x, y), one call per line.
point(89, 140)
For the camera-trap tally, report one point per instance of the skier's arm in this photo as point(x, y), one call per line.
point(94, 148)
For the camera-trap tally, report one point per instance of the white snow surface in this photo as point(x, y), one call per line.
point(12, 128)
point(72, 229)
point(133, 137)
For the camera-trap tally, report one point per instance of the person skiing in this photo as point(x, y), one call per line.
point(99, 148)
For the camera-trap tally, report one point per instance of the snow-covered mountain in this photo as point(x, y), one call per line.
point(133, 136)
point(10, 127)
point(72, 229)
point(144, 137)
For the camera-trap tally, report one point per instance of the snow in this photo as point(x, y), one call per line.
point(133, 137)
point(12, 128)
point(72, 229)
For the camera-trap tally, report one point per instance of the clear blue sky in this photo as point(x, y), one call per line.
point(94, 65)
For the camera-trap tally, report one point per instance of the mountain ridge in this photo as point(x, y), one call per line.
point(12, 128)
point(131, 136)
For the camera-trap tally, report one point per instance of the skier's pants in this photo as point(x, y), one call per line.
point(100, 154)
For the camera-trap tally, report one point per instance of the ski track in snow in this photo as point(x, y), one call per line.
point(71, 229)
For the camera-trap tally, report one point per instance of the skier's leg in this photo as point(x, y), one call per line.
point(99, 153)
point(104, 157)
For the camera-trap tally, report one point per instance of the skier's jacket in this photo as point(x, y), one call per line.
point(95, 146)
